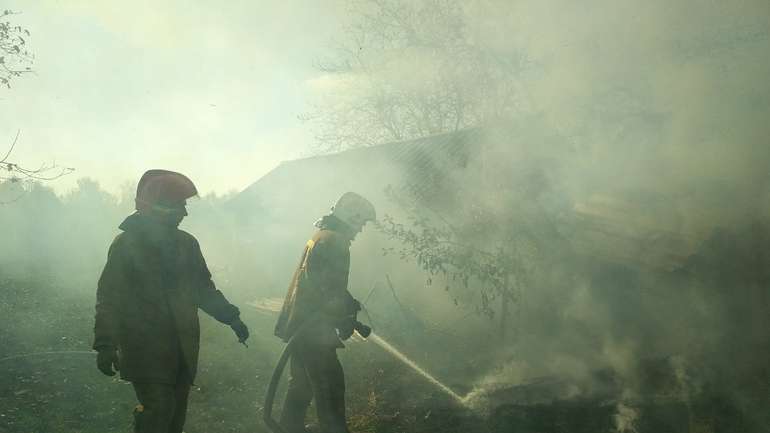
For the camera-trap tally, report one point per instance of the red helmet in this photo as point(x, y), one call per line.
point(163, 187)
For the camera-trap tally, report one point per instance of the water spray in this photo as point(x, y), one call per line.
point(405, 359)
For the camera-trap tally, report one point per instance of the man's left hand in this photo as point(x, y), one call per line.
point(240, 329)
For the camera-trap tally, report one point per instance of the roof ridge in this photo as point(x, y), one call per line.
point(387, 144)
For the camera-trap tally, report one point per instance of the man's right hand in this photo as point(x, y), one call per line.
point(345, 327)
point(240, 329)
point(106, 359)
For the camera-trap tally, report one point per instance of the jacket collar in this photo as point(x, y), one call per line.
point(133, 222)
point(139, 224)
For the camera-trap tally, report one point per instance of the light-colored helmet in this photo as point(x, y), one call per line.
point(354, 210)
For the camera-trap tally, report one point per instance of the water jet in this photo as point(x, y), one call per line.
point(405, 359)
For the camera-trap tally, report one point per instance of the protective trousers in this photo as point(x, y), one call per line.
point(162, 407)
point(315, 373)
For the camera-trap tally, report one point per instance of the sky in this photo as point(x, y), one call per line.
point(215, 92)
point(120, 87)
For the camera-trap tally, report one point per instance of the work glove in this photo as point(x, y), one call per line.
point(341, 305)
point(240, 329)
point(345, 327)
point(107, 359)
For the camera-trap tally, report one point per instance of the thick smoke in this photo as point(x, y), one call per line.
point(636, 167)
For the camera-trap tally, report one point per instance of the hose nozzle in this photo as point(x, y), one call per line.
point(362, 329)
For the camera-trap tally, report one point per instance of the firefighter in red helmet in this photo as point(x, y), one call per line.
point(147, 302)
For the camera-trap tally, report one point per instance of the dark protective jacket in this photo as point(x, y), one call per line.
point(319, 290)
point(147, 301)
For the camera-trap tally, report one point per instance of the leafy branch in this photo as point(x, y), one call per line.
point(15, 59)
point(497, 273)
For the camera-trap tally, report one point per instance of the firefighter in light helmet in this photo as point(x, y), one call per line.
point(319, 292)
point(147, 302)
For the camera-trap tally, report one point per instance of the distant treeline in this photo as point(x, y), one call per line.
point(66, 236)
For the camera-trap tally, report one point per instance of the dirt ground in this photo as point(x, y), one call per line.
point(58, 389)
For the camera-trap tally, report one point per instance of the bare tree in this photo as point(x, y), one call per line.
point(14, 173)
point(409, 69)
point(11, 171)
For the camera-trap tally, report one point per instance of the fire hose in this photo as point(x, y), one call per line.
point(267, 414)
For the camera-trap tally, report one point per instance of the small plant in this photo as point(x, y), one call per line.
point(456, 255)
